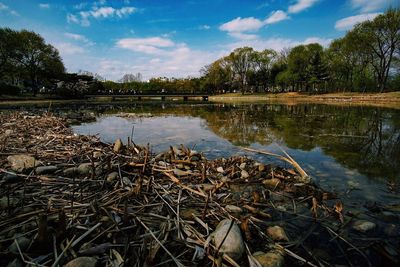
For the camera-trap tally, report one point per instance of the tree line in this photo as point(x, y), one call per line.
point(367, 58)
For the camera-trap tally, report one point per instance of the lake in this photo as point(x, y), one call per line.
point(351, 150)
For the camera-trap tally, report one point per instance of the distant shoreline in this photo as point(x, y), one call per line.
point(389, 100)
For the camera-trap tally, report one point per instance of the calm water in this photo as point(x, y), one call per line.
point(354, 151)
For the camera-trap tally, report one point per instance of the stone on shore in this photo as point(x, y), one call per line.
point(277, 233)
point(21, 163)
point(273, 258)
point(363, 226)
point(46, 170)
point(233, 245)
point(117, 145)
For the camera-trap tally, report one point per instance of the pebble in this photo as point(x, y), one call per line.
point(244, 174)
point(45, 170)
point(220, 170)
point(233, 209)
point(111, 177)
point(273, 258)
point(363, 226)
point(82, 262)
point(21, 163)
point(242, 166)
point(277, 233)
point(85, 168)
point(11, 178)
point(233, 245)
point(117, 145)
point(261, 167)
point(70, 172)
point(8, 132)
point(271, 183)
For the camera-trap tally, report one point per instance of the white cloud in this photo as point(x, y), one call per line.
point(68, 49)
point(83, 17)
point(373, 5)
point(204, 27)
point(44, 6)
point(80, 5)
point(5, 8)
point(78, 37)
point(276, 16)
point(242, 24)
point(149, 45)
point(301, 5)
point(349, 22)
point(243, 36)
point(275, 43)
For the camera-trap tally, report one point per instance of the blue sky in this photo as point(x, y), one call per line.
point(177, 38)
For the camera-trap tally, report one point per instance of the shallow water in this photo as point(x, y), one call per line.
point(353, 151)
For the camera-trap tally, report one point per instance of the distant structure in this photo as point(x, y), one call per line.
point(129, 77)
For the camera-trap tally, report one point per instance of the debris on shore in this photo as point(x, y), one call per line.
point(72, 200)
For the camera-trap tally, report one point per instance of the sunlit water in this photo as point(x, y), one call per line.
point(353, 151)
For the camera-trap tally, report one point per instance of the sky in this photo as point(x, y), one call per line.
point(170, 38)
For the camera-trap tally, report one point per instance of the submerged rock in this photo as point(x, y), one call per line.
point(21, 163)
point(117, 145)
point(82, 262)
point(233, 244)
point(277, 233)
point(363, 226)
point(273, 258)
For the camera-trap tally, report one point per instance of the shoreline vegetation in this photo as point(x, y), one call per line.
point(72, 199)
point(388, 100)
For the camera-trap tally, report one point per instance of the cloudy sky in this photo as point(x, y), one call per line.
point(177, 38)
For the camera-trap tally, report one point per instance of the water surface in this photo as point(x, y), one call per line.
point(353, 151)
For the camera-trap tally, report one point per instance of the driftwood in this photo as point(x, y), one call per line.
point(131, 207)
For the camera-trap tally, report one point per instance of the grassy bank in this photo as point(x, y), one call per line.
point(391, 100)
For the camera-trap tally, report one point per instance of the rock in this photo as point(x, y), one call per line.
point(277, 233)
point(233, 245)
point(70, 172)
point(220, 170)
point(206, 187)
point(242, 166)
point(234, 209)
point(23, 244)
point(8, 132)
point(111, 177)
point(21, 163)
point(271, 183)
point(117, 145)
point(97, 154)
point(82, 262)
point(244, 174)
point(195, 158)
point(261, 167)
point(179, 172)
point(11, 178)
point(85, 168)
point(46, 170)
point(273, 258)
point(363, 226)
